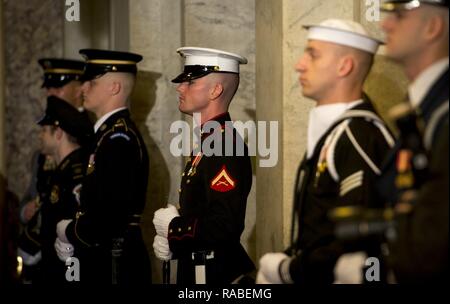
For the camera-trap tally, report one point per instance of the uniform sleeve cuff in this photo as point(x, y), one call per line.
point(285, 275)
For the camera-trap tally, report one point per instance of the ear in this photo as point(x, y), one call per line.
point(216, 91)
point(59, 133)
point(345, 66)
point(116, 87)
point(434, 28)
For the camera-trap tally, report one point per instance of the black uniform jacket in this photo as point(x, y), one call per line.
point(213, 199)
point(112, 201)
point(316, 248)
point(61, 203)
point(419, 254)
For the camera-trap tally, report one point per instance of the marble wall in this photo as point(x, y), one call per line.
point(32, 29)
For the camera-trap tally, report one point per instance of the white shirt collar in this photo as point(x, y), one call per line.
point(320, 120)
point(105, 117)
point(418, 89)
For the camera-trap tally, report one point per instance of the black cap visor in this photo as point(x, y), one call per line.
point(192, 72)
point(52, 80)
point(392, 6)
point(93, 71)
point(46, 120)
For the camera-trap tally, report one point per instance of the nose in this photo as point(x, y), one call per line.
point(50, 91)
point(386, 23)
point(180, 87)
point(85, 86)
point(301, 64)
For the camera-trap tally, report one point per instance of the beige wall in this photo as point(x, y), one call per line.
point(269, 106)
point(92, 31)
point(155, 32)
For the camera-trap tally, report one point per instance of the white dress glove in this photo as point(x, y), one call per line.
point(162, 219)
point(63, 250)
point(269, 265)
point(29, 259)
point(261, 279)
point(161, 248)
point(349, 268)
point(61, 230)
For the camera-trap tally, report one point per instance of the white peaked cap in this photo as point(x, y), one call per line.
point(224, 61)
point(343, 32)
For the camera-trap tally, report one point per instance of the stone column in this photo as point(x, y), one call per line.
point(156, 32)
point(269, 105)
point(95, 28)
point(280, 41)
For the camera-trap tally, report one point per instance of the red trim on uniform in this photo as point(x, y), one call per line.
point(179, 238)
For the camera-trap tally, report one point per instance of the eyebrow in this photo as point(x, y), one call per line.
point(310, 49)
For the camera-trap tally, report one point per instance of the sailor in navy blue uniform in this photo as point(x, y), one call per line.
point(106, 231)
point(415, 178)
point(204, 233)
point(346, 144)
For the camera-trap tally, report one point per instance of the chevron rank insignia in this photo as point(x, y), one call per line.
point(223, 182)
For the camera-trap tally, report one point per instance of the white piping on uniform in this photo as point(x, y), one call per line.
point(361, 151)
point(432, 124)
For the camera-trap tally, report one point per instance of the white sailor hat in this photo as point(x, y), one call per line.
point(200, 62)
point(343, 32)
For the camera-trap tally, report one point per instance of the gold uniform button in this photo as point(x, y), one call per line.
point(179, 190)
point(188, 181)
point(183, 174)
point(179, 229)
point(170, 231)
point(189, 228)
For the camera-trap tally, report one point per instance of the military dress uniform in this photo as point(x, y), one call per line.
point(106, 231)
point(112, 201)
point(419, 247)
point(60, 201)
point(340, 172)
point(213, 199)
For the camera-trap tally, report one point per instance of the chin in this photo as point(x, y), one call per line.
point(183, 110)
point(306, 94)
